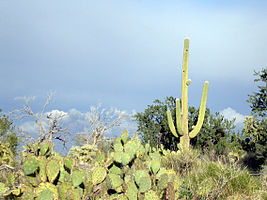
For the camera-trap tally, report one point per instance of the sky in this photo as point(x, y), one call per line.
point(127, 53)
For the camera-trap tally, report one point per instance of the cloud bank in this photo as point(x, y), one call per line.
point(230, 114)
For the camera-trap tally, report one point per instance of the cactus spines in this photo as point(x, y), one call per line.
point(52, 170)
point(98, 175)
point(182, 116)
point(30, 165)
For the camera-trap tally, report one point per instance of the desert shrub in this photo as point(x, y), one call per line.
point(181, 161)
point(215, 180)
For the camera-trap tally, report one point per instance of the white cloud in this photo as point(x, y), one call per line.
point(231, 114)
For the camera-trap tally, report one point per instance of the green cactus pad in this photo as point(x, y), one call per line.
point(118, 156)
point(124, 136)
point(77, 178)
point(115, 180)
point(160, 172)
point(30, 165)
point(115, 170)
point(131, 191)
point(100, 157)
point(47, 186)
point(125, 159)
point(52, 170)
point(63, 189)
point(109, 161)
point(131, 147)
point(118, 147)
point(75, 193)
point(145, 184)
point(151, 195)
point(45, 147)
point(143, 180)
point(154, 166)
point(98, 175)
point(139, 174)
point(68, 162)
point(33, 180)
point(42, 166)
point(45, 195)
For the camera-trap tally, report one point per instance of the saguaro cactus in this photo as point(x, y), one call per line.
point(182, 117)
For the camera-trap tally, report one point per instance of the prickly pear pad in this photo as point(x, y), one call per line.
point(30, 165)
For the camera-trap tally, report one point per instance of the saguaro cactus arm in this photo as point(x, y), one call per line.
point(178, 120)
point(202, 109)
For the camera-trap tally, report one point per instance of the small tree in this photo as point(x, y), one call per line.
point(258, 100)
point(50, 125)
point(100, 121)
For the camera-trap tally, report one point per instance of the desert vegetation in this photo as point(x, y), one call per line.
point(178, 152)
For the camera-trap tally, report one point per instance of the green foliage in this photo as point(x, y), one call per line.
point(217, 133)
point(258, 100)
point(254, 130)
point(8, 134)
point(255, 143)
point(153, 125)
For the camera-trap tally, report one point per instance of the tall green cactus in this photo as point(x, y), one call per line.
point(182, 116)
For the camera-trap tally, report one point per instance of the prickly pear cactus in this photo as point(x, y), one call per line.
point(77, 177)
point(98, 175)
point(30, 165)
point(52, 170)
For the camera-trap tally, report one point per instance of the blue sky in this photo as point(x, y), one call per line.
point(125, 54)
